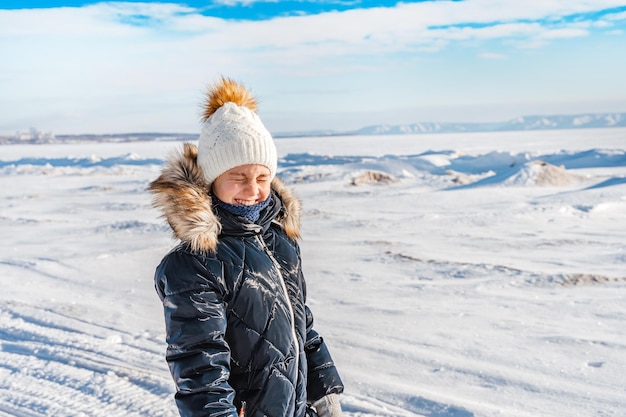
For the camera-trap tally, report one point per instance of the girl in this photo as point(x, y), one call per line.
point(239, 333)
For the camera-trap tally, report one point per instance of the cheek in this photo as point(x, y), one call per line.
point(265, 189)
point(224, 191)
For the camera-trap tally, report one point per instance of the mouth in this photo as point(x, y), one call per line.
point(245, 202)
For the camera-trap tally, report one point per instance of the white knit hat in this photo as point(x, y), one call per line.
point(232, 133)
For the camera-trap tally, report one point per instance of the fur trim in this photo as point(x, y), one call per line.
point(227, 90)
point(182, 195)
point(292, 209)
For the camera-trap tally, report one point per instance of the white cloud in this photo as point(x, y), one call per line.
point(358, 31)
point(110, 53)
point(492, 55)
point(563, 33)
point(616, 16)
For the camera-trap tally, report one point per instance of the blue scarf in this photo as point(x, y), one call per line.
point(251, 213)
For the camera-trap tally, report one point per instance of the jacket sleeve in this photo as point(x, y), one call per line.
point(322, 375)
point(195, 321)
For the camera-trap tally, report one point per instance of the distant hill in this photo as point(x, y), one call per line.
point(578, 121)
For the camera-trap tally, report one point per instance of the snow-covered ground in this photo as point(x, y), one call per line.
point(452, 275)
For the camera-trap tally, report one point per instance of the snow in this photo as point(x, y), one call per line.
point(452, 275)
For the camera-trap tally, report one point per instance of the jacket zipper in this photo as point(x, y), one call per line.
point(284, 287)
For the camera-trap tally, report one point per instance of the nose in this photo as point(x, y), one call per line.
point(251, 188)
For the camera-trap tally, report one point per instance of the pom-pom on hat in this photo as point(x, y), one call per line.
point(232, 134)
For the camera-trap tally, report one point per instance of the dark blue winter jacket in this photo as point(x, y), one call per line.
point(238, 328)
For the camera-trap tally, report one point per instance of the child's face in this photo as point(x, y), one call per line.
point(244, 185)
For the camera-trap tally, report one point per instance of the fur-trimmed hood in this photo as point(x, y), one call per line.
point(182, 195)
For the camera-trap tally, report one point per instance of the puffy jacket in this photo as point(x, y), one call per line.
point(237, 326)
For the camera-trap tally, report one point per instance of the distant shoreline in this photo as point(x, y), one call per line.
point(526, 123)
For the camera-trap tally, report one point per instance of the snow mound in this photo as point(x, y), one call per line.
point(588, 279)
point(373, 177)
point(542, 174)
point(460, 177)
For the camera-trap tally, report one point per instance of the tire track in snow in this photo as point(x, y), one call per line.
point(53, 364)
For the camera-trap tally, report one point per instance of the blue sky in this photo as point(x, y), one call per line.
point(249, 10)
point(110, 67)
